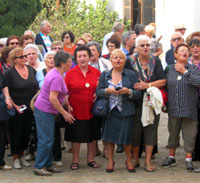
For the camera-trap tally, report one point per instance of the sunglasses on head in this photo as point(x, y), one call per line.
point(143, 45)
point(176, 39)
point(12, 43)
point(21, 57)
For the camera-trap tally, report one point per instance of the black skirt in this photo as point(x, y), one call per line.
point(82, 131)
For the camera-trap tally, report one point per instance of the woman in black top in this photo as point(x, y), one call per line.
point(4, 91)
point(22, 86)
point(150, 74)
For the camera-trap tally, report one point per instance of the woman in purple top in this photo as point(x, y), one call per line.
point(49, 102)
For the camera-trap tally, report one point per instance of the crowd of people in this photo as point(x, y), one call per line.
point(63, 78)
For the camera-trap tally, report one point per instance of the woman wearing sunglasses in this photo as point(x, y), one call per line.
point(13, 42)
point(23, 86)
point(150, 73)
point(68, 40)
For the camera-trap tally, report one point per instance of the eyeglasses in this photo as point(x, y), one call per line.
point(66, 37)
point(181, 29)
point(183, 50)
point(143, 45)
point(21, 57)
point(1, 45)
point(57, 48)
point(176, 39)
point(12, 43)
point(195, 45)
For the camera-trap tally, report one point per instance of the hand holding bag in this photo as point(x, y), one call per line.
point(5, 113)
point(100, 107)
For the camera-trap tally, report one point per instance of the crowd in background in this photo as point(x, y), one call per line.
point(66, 76)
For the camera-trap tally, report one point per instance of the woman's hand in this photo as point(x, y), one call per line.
point(68, 117)
point(180, 68)
point(17, 107)
point(141, 85)
point(112, 91)
point(124, 90)
point(8, 103)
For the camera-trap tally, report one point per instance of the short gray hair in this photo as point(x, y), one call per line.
point(94, 43)
point(61, 57)
point(117, 26)
point(32, 46)
point(33, 34)
point(43, 23)
point(126, 36)
point(49, 53)
point(141, 38)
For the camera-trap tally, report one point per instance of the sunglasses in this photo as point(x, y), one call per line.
point(12, 43)
point(21, 57)
point(1, 45)
point(176, 39)
point(66, 37)
point(143, 45)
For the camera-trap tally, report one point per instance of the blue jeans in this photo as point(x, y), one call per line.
point(45, 126)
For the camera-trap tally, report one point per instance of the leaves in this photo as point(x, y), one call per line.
point(77, 17)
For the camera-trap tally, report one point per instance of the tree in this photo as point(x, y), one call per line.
point(17, 15)
point(77, 16)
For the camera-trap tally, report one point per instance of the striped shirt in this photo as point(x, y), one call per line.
point(183, 92)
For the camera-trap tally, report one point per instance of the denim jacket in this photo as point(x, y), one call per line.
point(129, 78)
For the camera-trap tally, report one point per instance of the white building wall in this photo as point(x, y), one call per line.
point(172, 12)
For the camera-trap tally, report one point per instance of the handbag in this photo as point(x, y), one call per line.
point(5, 113)
point(32, 103)
point(100, 107)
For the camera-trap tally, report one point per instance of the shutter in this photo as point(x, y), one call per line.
point(127, 9)
point(148, 11)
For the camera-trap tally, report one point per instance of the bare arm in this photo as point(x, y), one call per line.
point(53, 98)
point(7, 97)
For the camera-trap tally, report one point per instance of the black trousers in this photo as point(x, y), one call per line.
point(57, 152)
point(20, 130)
point(2, 142)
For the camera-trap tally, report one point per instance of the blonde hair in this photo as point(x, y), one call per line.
point(116, 52)
point(14, 53)
point(150, 29)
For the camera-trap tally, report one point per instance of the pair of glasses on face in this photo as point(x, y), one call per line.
point(21, 57)
point(176, 39)
point(66, 37)
point(12, 43)
point(144, 45)
point(56, 48)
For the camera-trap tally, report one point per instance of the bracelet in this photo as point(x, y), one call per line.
point(149, 85)
point(7, 97)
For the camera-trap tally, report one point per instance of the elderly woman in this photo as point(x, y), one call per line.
point(26, 39)
point(116, 86)
point(155, 46)
point(111, 44)
point(81, 82)
point(49, 102)
point(32, 53)
point(101, 64)
point(68, 41)
point(183, 80)
point(5, 61)
point(150, 73)
point(22, 86)
point(13, 42)
point(5, 92)
point(49, 62)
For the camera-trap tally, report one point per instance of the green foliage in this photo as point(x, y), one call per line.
point(17, 15)
point(77, 17)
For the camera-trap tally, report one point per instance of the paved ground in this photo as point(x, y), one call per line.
point(88, 175)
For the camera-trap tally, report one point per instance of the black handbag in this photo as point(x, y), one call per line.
point(5, 113)
point(100, 107)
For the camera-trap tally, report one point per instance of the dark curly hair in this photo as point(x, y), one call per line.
point(71, 35)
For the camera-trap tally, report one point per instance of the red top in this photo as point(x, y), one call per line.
point(81, 91)
point(70, 50)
